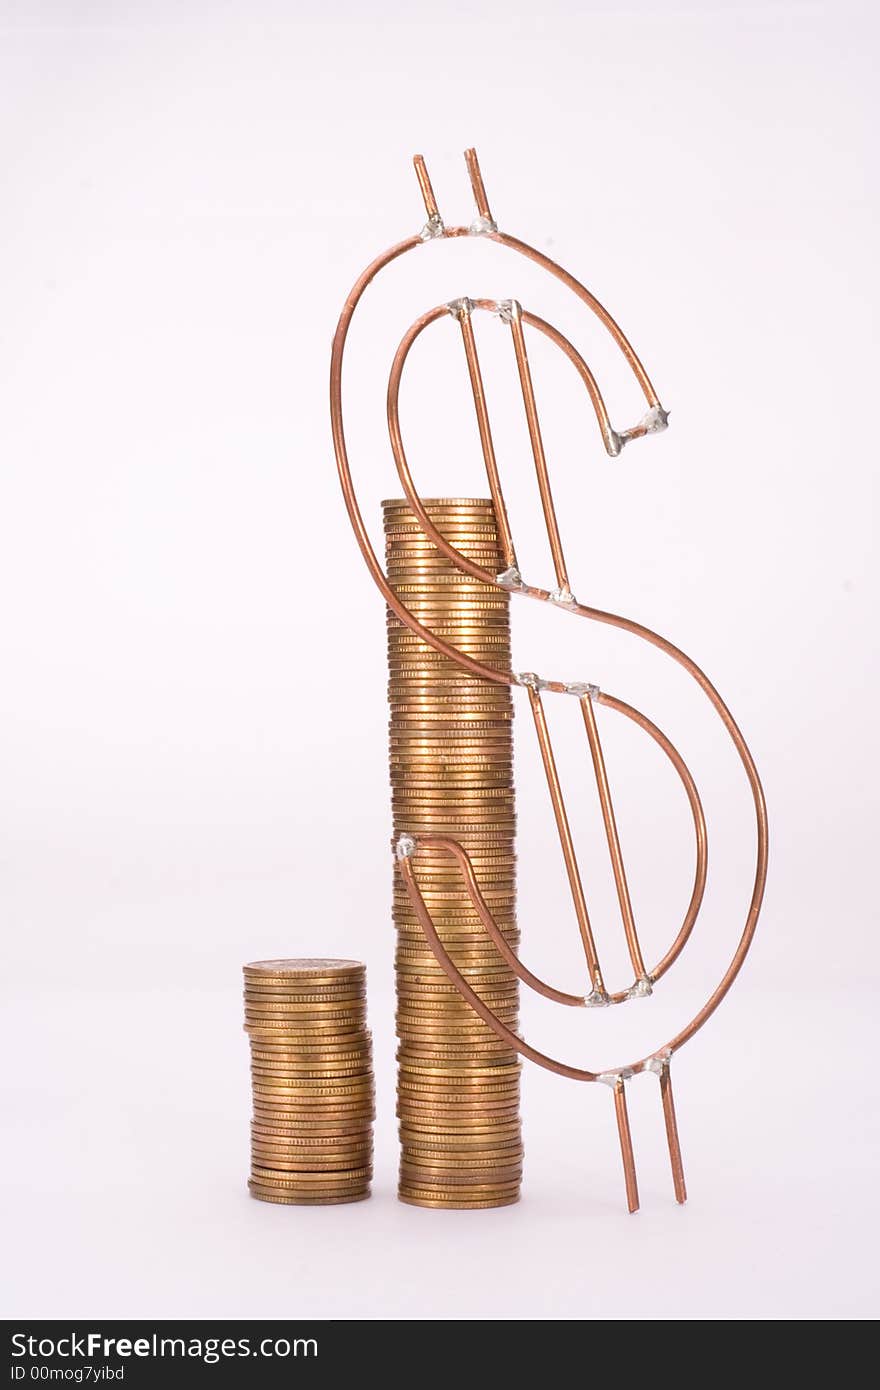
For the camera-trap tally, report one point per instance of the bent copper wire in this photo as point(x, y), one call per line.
point(655, 419)
point(512, 313)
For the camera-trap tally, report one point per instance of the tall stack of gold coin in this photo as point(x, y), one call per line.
point(312, 1074)
point(451, 754)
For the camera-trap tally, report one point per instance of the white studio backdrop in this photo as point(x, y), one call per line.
point(192, 710)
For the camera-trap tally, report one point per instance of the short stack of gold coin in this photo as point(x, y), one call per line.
point(312, 1076)
point(451, 758)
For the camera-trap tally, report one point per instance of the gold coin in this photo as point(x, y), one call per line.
point(468, 1161)
point(456, 1027)
point(456, 1204)
point(426, 687)
point(342, 1129)
point(293, 1201)
point(326, 1188)
point(449, 902)
point(428, 1177)
point(327, 1031)
point(449, 1167)
point(421, 1098)
point(454, 1053)
point(270, 1110)
point(321, 1048)
point(273, 1164)
point(454, 1009)
point(444, 993)
point(473, 541)
point(456, 917)
point(438, 1133)
point(430, 1196)
point(462, 943)
point(462, 1153)
point(278, 1093)
point(301, 1155)
point(448, 898)
point(286, 1178)
point(457, 931)
point(489, 1047)
point(297, 1023)
point(474, 642)
point(318, 1147)
point(313, 1068)
point(312, 1124)
point(310, 1196)
point(409, 1110)
point(429, 1184)
point(440, 694)
point(472, 1072)
point(300, 1095)
point(411, 1130)
point(446, 578)
point(475, 976)
point(321, 987)
point(481, 800)
point(305, 967)
point(289, 1136)
point(399, 529)
point(435, 1092)
point(451, 1015)
point(453, 1005)
point(312, 1133)
point(353, 1150)
point(362, 1076)
point(471, 535)
point(302, 1014)
point(315, 1064)
point(318, 1109)
point(459, 1034)
point(349, 997)
point(500, 986)
point(416, 1103)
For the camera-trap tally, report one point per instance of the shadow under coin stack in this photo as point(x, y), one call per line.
point(312, 1075)
point(451, 754)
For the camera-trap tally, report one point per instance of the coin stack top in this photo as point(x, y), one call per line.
point(312, 1080)
point(451, 759)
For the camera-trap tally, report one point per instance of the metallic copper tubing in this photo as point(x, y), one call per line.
point(672, 1133)
point(537, 443)
point(477, 185)
point(463, 860)
point(565, 839)
point(427, 191)
point(626, 912)
point(626, 1145)
point(488, 447)
point(510, 580)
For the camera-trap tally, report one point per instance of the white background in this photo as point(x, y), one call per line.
point(192, 698)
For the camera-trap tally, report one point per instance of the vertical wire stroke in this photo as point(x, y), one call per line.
point(623, 897)
point(672, 1139)
point(479, 188)
point(534, 426)
point(565, 836)
point(473, 363)
point(626, 1147)
point(426, 188)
